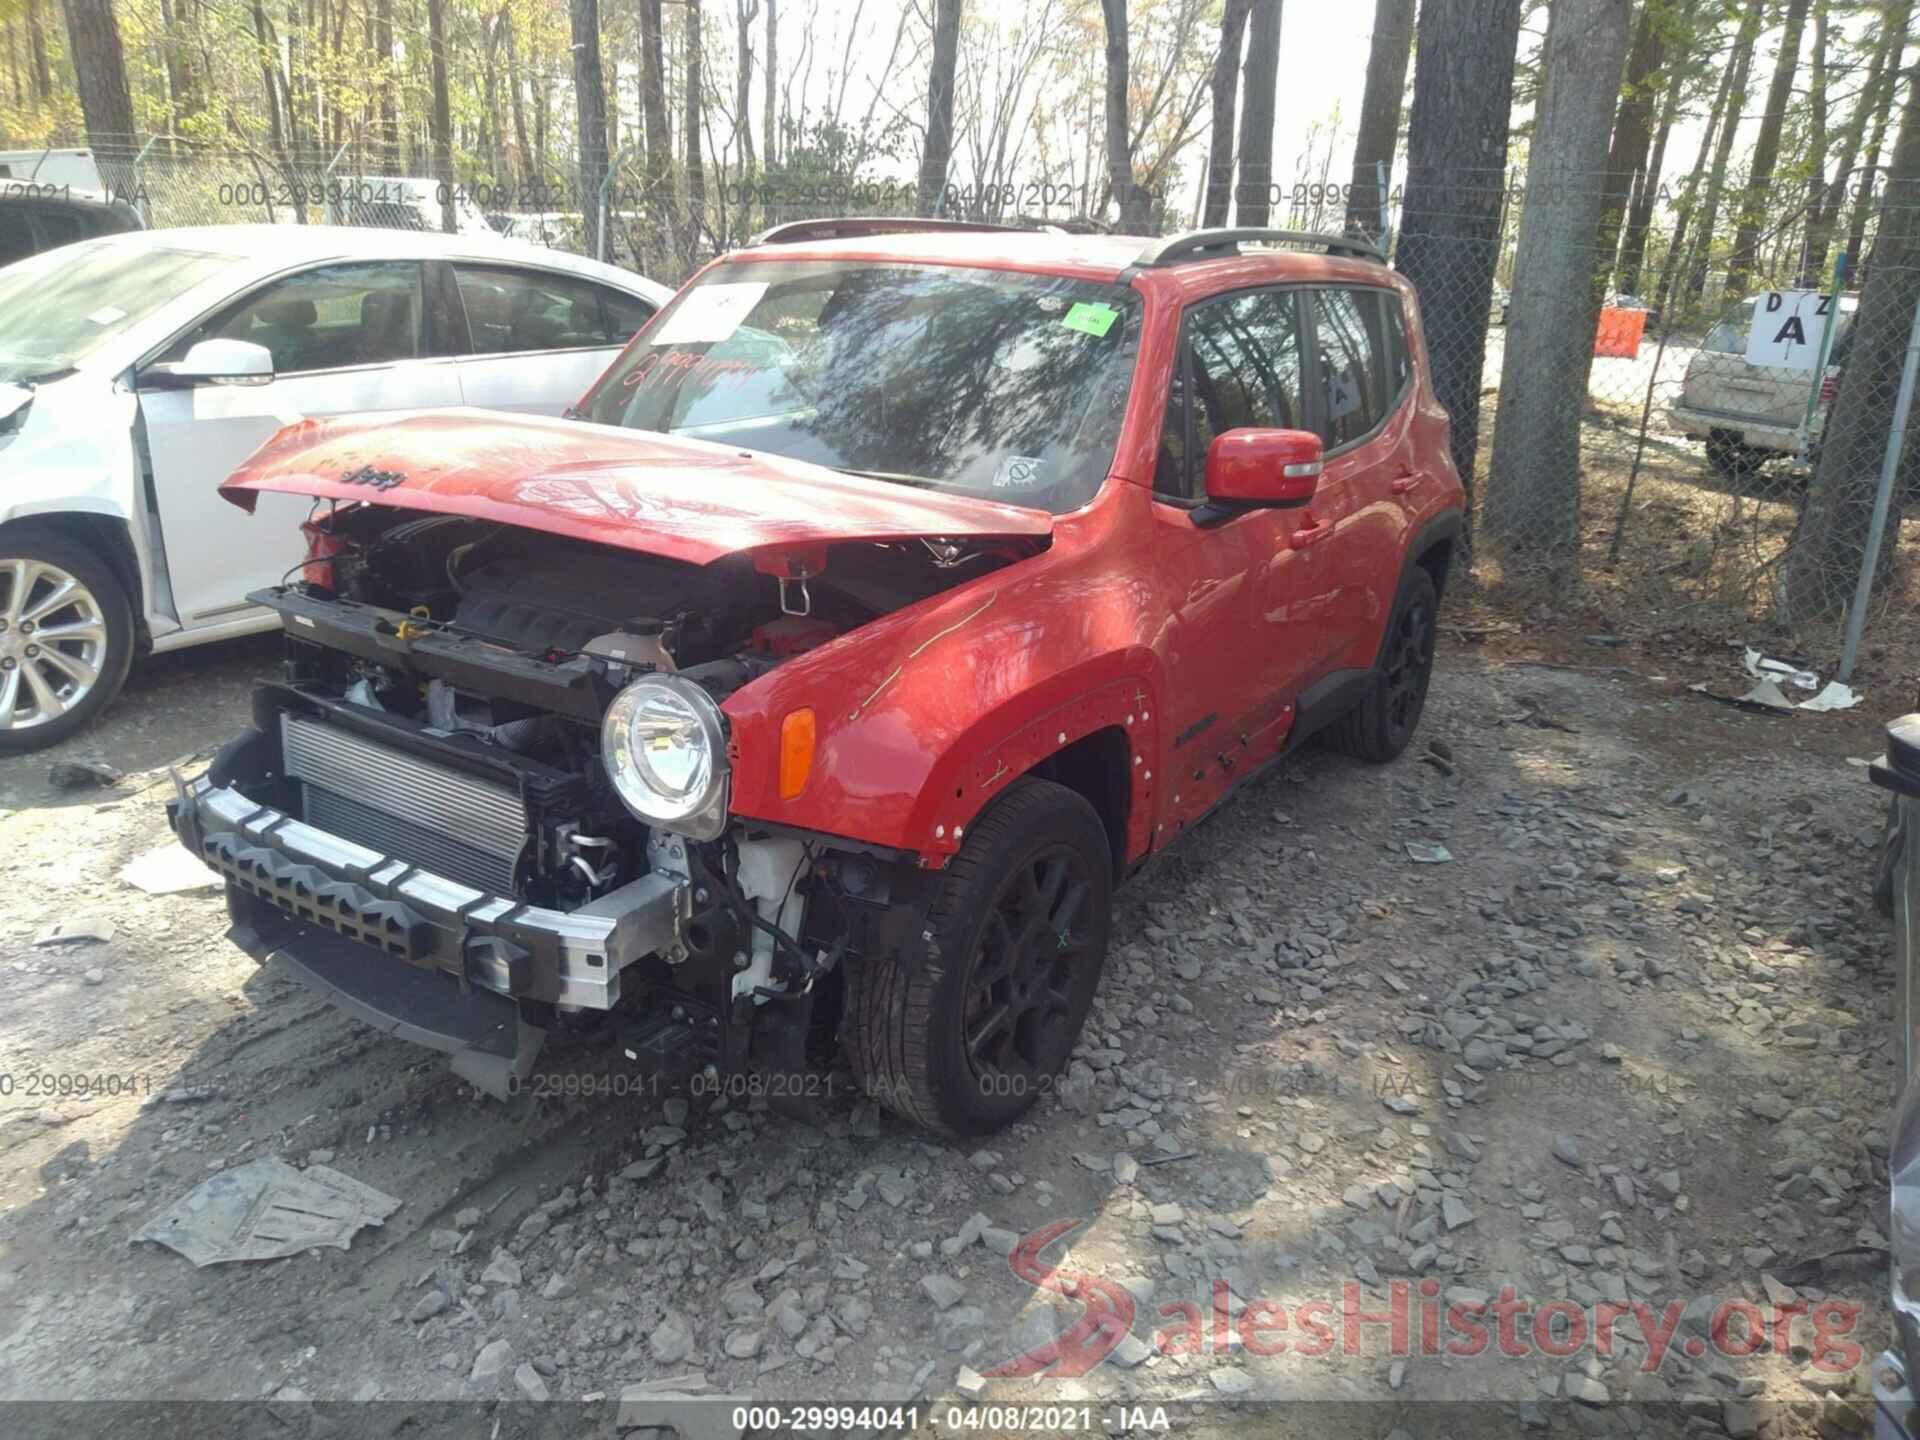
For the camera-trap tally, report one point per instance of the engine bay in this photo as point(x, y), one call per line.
point(497, 650)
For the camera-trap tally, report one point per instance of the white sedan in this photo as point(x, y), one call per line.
point(138, 371)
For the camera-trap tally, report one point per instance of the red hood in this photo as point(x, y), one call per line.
point(685, 499)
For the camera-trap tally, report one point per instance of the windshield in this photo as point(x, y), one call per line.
point(1729, 333)
point(991, 383)
point(59, 307)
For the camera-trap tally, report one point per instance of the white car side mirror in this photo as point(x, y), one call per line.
point(222, 362)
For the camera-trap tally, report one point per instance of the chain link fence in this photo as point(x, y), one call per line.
point(1686, 424)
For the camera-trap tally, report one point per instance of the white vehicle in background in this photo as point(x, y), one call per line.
point(75, 168)
point(401, 202)
point(563, 229)
point(1749, 414)
point(138, 371)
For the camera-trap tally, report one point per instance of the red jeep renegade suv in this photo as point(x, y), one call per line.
point(901, 588)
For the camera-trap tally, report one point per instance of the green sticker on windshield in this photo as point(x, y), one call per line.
point(1090, 318)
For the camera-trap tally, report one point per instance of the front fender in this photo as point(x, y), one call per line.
point(924, 715)
point(74, 453)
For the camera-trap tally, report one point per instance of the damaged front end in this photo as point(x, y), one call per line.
point(1898, 772)
point(490, 796)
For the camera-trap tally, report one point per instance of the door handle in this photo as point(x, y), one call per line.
point(1405, 482)
point(1312, 534)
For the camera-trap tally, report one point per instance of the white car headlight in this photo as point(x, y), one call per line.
point(664, 745)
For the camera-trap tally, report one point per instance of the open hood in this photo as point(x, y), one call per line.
point(661, 494)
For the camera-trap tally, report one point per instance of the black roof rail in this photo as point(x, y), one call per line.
point(799, 232)
point(1208, 244)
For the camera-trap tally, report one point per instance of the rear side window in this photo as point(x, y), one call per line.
point(625, 314)
point(1350, 371)
point(1242, 370)
point(511, 311)
point(1399, 358)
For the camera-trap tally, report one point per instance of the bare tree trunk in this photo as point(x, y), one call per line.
point(1865, 202)
point(387, 142)
point(37, 48)
point(770, 118)
point(267, 52)
point(939, 147)
point(1766, 150)
point(1133, 217)
point(1380, 112)
point(1683, 212)
point(1632, 134)
point(589, 92)
point(1830, 544)
point(653, 109)
point(529, 164)
point(694, 127)
point(1254, 197)
point(744, 12)
point(1633, 250)
point(1880, 76)
point(181, 100)
point(1816, 153)
point(1533, 483)
point(1226, 95)
point(1456, 186)
point(100, 67)
point(440, 120)
point(1739, 71)
point(13, 66)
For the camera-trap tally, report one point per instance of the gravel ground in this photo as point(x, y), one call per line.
point(1626, 1046)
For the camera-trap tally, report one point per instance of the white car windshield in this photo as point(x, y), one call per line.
point(58, 307)
point(1000, 384)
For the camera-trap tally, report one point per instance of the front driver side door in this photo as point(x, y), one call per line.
point(1245, 592)
point(344, 338)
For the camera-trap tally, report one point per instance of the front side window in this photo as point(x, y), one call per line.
point(998, 384)
point(1242, 370)
point(520, 310)
point(337, 315)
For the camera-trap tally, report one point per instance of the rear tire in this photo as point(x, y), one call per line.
point(1379, 727)
point(1732, 459)
point(967, 1040)
point(66, 638)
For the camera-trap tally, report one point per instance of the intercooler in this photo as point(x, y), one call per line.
point(429, 815)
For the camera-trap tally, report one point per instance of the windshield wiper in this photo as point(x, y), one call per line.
point(919, 482)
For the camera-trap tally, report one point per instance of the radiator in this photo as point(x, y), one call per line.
point(429, 815)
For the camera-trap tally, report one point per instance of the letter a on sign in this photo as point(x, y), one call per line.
point(1787, 326)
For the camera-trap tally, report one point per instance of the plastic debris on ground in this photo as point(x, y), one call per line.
point(1831, 696)
point(1773, 680)
point(267, 1210)
point(91, 929)
point(168, 870)
point(1424, 852)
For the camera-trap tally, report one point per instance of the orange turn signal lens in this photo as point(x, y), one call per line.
point(796, 752)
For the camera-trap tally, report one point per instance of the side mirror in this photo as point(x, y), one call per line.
point(1255, 469)
point(215, 362)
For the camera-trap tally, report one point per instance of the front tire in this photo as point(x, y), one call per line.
point(1379, 727)
point(66, 638)
point(967, 1040)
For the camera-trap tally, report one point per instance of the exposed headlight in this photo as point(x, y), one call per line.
point(664, 745)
